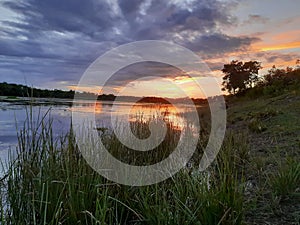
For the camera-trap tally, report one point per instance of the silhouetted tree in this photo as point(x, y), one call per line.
point(239, 76)
point(274, 74)
point(281, 77)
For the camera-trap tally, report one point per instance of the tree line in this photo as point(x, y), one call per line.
point(241, 76)
point(19, 90)
point(238, 78)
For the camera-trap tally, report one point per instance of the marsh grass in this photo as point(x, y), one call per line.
point(50, 182)
point(141, 130)
point(286, 181)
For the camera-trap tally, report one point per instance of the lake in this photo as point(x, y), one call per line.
point(14, 113)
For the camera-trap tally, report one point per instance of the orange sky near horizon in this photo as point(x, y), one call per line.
point(53, 52)
point(282, 47)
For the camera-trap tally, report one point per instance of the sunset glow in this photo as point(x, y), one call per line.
point(54, 52)
point(291, 45)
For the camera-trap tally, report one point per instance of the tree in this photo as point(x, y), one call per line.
point(239, 76)
point(281, 77)
point(274, 75)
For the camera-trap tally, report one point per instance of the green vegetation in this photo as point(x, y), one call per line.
point(271, 122)
point(18, 90)
point(51, 183)
point(242, 79)
point(287, 180)
point(254, 180)
point(240, 76)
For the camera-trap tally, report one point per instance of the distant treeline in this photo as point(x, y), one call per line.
point(18, 90)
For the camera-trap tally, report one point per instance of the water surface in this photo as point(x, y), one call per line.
point(14, 115)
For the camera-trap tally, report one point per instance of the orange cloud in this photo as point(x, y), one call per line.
point(287, 35)
point(280, 41)
point(290, 45)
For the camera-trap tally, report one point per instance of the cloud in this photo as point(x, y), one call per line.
point(219, 43)
point(61, 38)
point(275, 57)
point(90, 18)
point(144, 70)
point(256, 19)
point(166, 19)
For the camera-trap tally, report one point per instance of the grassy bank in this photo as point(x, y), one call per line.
point(254, 180)
point(51, 183)
point(271, 122)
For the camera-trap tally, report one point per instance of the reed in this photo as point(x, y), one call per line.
point(50, 182)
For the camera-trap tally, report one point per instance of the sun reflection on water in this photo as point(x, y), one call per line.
point(135, 112)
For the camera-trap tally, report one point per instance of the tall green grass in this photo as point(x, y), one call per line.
point(50, 183)
point(286, 181)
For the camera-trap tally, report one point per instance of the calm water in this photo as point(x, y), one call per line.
point(14, 114)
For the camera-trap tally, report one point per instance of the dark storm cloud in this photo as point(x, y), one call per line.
point(129, 6)
point(20, 49)
point(91, 17)
point(143, 70)
point(220, 43)
point(71, 34)
point(164, 19)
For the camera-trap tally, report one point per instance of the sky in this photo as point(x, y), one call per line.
point(51, 43)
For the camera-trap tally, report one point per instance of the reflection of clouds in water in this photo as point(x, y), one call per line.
point(5, 145)
point(139, 112)
point(92, 107)
point(5, 106)
point(13, 115)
